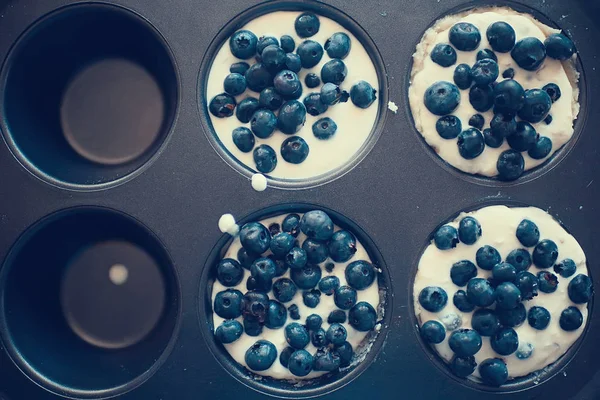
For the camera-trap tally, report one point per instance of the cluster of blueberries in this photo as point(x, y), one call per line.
point(508, 287)
point(274, 75)
point(507, 98)
point(268, 253)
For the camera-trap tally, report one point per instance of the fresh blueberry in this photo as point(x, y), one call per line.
point(342, 246)
point(547, 282)
point(229, 272)
point(300, 363)
point(228, 304)
point(318, 338)
point(442, 98)
point(485, 322)
point(345, 353)
point(263, 123)
point(326, 360)
point(470, 143)
point(501, 36)
point(338, 45)
point(363, 95)
point(509, 97)
point(229, 331)
point(448, 126)
point(239, 68)
point(243, 139)
point(317, 225)
point(296, 258)
point(287, 43)
point(433, 332)
point(463, 366)
point(462, 76)
point(520, 259)
point(345, 297)
point(451, 321)
point(334, 71)
point(291, 118)
point(513, 317)
point(541, 149)
point(294, 150)
point(538, 318)
point(529, 53)
point(480, 292)
point(580, 289)
point(565, 268)
point(222, 105)
point(332, 94)
point(270, 99)
point(329, 267)
point(307, 24)
point(493, 372)
point(255, 237)
point(444, 55)
point(258, 78)
point(362, 317)
point(524, 138)
point(255, 306)
point(360, 274)
point(307, 277)
point(481, 97)
point(433, 298)
point(553, 91)
point(280, 265)
point(296, 335)
point(312, 80)
point(446, 237)
point(276, 315)
point(527, 284)
point(504, 272)
point(465, 342)
point(536, 106)
point(484, 72)
point(462, 272)
point(508, 73)
point(559, 46)
point(570, 319)
point(311, 298)
point(336, 316)
point(505, 341)
point(293, 62)
point(477, 121)
point(246, 109)
point(503, 125)
point(288, 84)
point(524, 351)
point(336, 334)
point(246, 258)
point(284, 290)
point(486, 53)
point(510, 165)
point(528, 233)
point(264, 42)
point(508, 296)
point(313, 322)
point(545, 254)
point(469, 230)
point(461, 302)
point(310, 53)
point(281, 244)
point(243, 44)
point(234, 84)
point(291, 224)
point(329, 284)
point(316, 251)
point(294, 312)
point(465, 36)
point(548, 120)
point(487, 257)
point(261, 355)
point(491, 139)
point(314, 105)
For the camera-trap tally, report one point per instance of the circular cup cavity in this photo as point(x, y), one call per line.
point(304, 388)
point(518, 384)
point(90, 95)
point(67, 325)
point(552, 161)
point(294, 5)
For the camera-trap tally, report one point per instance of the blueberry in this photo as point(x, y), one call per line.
point(255, 237)
point(287, 43)
point(536, 106)
point(239, 68)
point(276, 315)
point(487, 257)
point(477, 121)
point(465, 36)
point(243, 44)
point(307, 277)
point(463, 366)
point(501, 37)
point(524, 138)
point(310, 53)
point(342, 246)
point(565, 268)
point(246, 109)
point(222, 105)
point(264, 42)
point(451, 321)
point(329, 266)
point(462, 76)
point(509, 97)
point(258, 78)
point(469, 230)
point(296, 258)
point(508, 73)
point(484, 72)
point(338, 45)
point(229, 272)
point(294, 150)
point(545, 254)
point(291, 118)
point(363, 95)
point(318, 338)
point(261, 355)
point(360, 274)
point(280, 265)
point(345, 353)
point(503, 125)
point(493, 372)
point(296, 335)
point(307, 24)
point(492, 140)
point(291, 224)
point(553, 91)
point(312, 80)
point(448, 126)
point(300, 363)
point(252, 327)
point(228, 304)
point(336, 316)
point(334, 71)
point(520, 259)
point(255, 306)
point(513, 317)
point(311, 298)
point(317, 225)
point(444, 55)
point(345, 297)
point(446, 237)
point(442, 98)
point(485, 322)
point(336, 334)
point(480, 292)
point(234, 84)
point(246, 258)
point(314, 105)
point(316, 251)
point(462, 272)
point(505, 341)
point(548, 120)
point(313, 322)
point(510, 165)
point(541, 149)
point(229, 331)
point(580, 289)
point(570, 319)
point(528, 233)
point(362, 317)
point(270, 99)
point(470, 143)
point(294, 312)
point(486, 54)
point(559, 46)
point(481, 97)
point(529, 53)
point(331, 94)
point(281, 244)
point(284, 290)
point(433, 332)
point(504, 272)
point(527, 284)
point(433, 298)
point(326, 360)
point(329, 284)
point(461, 302)
point(293, 62)
point(263, 123)
point(465, 342)
point(547, 282)
point(288, 84)
point(538, 318)
point(508, 296)
point(524, 351)
point(243, 139)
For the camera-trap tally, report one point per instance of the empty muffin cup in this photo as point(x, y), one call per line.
point(90, 93)
point(89, 303)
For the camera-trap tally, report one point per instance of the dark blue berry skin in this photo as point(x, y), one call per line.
point(504, 272)
point(291, 224)
point(527, 284)
point(538, 318)
point(239, 68)
point(493, 372)
point(296, 258)
point(336, 316)
point(481, 97)
point(462, 76)
point(246, 109)
point(547, 282)
point(528, 233)
point(307, 25)
point(486, 53)
point(491, 139)
point(261, 355)
point(446, 237)
point(288, 84)
point(465, 342)
point(256, 285)
point(463, 366)
point(222, 105)
point(291, 118)
point(312, 80)
point(316, 251)
point(536, 106)
point(243, 44)
point(524, 138)
point(444, 55)
point(513, 317)
point(252, 327)
point(442, 98)
point(545, 254)
point(342, 246)
point(301, 363)
point(363, 94)
point(294, 312)
point(508, 296)
point(505, 342)
point(317, 225)
point(255, 237)
point(529, 53)
point(258, 78)
point(318, 338)
point(314, 105)
point(503, 125)
point(243, 139)
point(334, 71)
point(281, 244)
point(311, 298)
point(255, 306)
point(280, 265)
point(310, 53)
point(485, 322)
point(229, 331)
point(465, 36)
point(331, 94)
point(326, 360)
point(509, 97)
point(228, 304)
point(477, 121)
point(293, 62)
point(296, 335)
point(553, 91)
point(461, 302)
point(580, 289)
point(263, 123)
point(294, 150)
point(485, 72)
point(541, 149)
point(345, 353)
point(462, 272)
point(501, 37)
point(487, 257)
point(470, 143)
point(559, 47)
point(264, 42)
point(360, 274)
point(565, 268)
point(307, 277)
point(276, 315)
point(270, 99)
point(362, 317)
point(469, 230)
point(336, 334)
point(524, 351)
point(480, 292)
point(571, 319)
point(508, 73)
point(520, 259)
point(229, 272)
point(234, 84)
point(287, 43)
point(510, 165)
point(433, 298)
point(345, 297)
point(329, 284)
point(338, 45)
point(433, 332)
point(448, 126)
point(313, 322)
point(246, 258)
point(284, 290)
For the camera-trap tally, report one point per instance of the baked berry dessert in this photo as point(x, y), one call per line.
point(292, 95)
point(296, 297)
point(494, 91)
point(501, 293)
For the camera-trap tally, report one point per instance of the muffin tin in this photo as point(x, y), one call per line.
point(169, 199)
